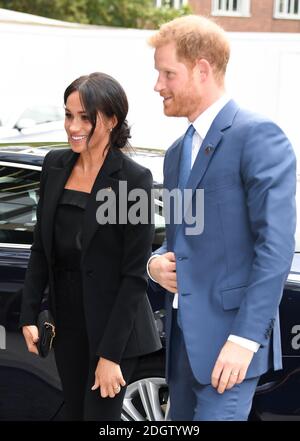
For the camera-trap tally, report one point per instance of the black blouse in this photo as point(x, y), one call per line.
point(68, 229)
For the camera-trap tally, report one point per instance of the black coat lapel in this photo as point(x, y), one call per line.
point(104, 180)
point(56, 180)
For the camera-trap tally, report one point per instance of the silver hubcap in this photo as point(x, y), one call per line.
point(146, 400)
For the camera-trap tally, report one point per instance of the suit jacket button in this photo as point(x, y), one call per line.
point(90, 273)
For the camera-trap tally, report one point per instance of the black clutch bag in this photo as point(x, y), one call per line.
point(46, 329)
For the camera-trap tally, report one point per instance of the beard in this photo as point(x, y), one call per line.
point(182, 104)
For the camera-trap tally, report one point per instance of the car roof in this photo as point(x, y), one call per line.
point(34, 153)
point(31, 154)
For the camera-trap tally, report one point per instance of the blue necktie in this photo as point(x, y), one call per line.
point(186, 157)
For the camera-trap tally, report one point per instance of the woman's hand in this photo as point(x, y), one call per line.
point(108, 376)
point(31, 335)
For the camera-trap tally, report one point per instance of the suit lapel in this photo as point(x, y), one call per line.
point(210, 143)
point(104, 180)
point(209, 146)
point(56, 180)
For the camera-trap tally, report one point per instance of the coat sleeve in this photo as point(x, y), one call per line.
point(269, 174)
point(36, 278)
point(136, 251)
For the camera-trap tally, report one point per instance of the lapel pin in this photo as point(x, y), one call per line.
point(208, 149)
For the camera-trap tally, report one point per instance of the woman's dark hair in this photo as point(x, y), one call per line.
point(100, 92)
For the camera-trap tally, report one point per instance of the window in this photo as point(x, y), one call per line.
point(171, 3)
point(289, 9)
point(19, 193)
point(238, 8)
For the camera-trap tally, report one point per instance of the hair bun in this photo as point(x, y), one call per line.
point(120, 135)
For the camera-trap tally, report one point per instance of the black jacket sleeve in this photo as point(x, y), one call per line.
point(136, 251)
point(36, 278)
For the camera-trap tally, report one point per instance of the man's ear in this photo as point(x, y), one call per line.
point(204, 68)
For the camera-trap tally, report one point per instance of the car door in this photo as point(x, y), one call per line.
point(29, 385)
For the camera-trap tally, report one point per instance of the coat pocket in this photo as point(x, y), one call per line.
point(232, 297)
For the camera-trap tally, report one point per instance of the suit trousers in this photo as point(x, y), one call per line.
point(75, 365)
point(192, 401)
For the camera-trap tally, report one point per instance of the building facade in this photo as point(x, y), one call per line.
point(246, 15)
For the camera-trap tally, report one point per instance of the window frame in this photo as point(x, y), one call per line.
point(177, 3)
point(243, 9)
point(285, 15)
point(21, 166)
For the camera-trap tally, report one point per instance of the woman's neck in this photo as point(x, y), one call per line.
point(91, 160)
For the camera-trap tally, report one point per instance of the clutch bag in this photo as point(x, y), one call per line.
point(46, 330)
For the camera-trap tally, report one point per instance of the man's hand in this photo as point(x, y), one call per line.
point(108, 377)
point(31, 335)
point(163, 270)
point(231, 366)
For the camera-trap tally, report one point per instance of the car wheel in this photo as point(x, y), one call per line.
point(147, 394)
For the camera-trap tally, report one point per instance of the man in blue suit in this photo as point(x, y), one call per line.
point(224, 284)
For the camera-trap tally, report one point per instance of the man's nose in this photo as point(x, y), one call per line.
point(158, 85)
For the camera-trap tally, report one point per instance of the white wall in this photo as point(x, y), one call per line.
point(264, 75)
point(38, 62)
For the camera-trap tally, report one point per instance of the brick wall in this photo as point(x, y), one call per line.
point(261, 19)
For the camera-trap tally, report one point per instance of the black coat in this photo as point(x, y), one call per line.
point(118, 315)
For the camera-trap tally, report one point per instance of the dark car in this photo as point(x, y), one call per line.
point(29, 385)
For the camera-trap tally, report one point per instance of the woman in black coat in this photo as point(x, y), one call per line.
point(91, 245)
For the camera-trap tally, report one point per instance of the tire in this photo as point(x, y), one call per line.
point(147, 393)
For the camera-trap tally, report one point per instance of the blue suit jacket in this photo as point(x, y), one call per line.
point(231, 277)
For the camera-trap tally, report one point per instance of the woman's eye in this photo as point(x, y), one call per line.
point(68, 115)
point(85, 117)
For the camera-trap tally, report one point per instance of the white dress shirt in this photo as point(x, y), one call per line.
point(202, 125)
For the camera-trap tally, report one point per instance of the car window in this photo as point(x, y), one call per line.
point(19, 193)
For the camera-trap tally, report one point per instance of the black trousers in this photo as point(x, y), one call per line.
point(75, 365)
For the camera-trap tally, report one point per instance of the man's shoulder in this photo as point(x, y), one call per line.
point(250, 118)
point(175, 144)
point(250, 124)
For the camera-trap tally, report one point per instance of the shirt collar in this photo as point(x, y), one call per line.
point(204, 121)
